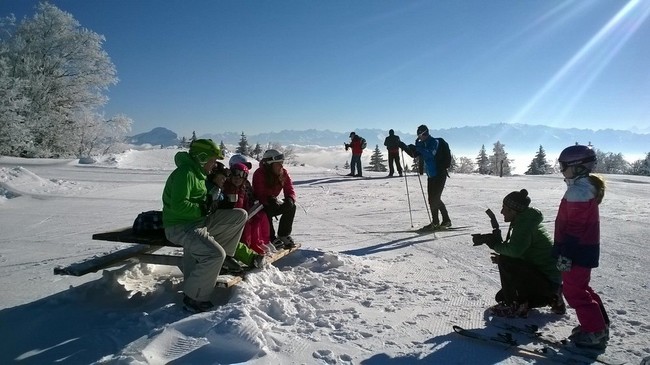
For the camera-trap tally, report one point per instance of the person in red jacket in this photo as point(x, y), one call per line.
point(577, 244)
point(357, 145)
point(269, 180)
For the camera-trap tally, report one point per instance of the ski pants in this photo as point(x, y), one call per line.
point(205, 246)
point(522, 282)
point(355, 162)
point(581, 297)
point(435, 186)
point(393, 158)
point(286, 213)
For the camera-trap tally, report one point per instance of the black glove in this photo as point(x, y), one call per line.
point(288, 203)
point(494, 257)
point(347, 146)
point(273, 203)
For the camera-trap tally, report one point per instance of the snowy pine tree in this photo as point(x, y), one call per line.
point(539, 165)
point(243, 148)
point(483, 162)
point(499, 163)
point(377, 162)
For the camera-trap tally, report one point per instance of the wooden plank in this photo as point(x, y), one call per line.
point(126, 235)
point(95, 264)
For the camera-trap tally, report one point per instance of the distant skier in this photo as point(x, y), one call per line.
point(577, 244)
point(392, 145)
point(529, 276)
point(357, 144)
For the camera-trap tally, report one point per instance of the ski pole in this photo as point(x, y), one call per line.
point(408, 197)
point(426, 203)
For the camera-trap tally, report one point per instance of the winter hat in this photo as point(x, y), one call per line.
point(391, 132)
point(517, 200)
point(422, 129)
point(352, 134)
point(235, 159)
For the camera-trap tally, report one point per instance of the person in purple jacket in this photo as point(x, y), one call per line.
point(577, 244)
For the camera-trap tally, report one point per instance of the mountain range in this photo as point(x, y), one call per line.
point(517, 138)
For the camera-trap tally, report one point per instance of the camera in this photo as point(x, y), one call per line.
point(489, 239)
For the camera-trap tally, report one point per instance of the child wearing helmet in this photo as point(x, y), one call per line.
point(207, 240)
point(224, 197)
point(269, 180)
point(238, 188)
point(577, 244)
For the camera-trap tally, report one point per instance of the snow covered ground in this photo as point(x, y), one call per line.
point(363, 289)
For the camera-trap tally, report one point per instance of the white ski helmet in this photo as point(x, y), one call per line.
point(271, 156)
point(235, 159)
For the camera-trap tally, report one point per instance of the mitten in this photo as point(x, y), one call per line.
point(563, 263)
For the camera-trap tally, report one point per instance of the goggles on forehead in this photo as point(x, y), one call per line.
point(239, 173)
point(276, 158)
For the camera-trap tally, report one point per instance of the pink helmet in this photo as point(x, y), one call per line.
point(239, 169)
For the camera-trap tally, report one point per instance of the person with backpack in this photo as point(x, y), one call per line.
point(357, 144)
point(392, 144)
point(436, 156)
point(208, 239)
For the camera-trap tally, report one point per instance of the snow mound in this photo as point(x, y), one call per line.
point(19, 181)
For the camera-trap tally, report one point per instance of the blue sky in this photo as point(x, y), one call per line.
point(261, 66)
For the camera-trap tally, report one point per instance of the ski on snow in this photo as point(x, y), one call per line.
point(546, 351)
point(533, 332)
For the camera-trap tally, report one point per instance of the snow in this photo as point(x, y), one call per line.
point(363, 288)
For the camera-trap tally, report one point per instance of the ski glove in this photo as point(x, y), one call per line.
point(288, 203)
point(273, 204)
point(563, 263)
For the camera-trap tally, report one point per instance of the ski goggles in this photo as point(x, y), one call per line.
point(276, 158)
point(239, 173)
point(565, 165)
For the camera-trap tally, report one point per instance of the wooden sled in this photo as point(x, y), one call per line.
point(144, 252)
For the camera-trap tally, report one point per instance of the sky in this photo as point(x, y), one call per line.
point(265, 66)
point(363, 289)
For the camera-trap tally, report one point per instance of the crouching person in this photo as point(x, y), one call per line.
point(207, 240)
point(528, 272)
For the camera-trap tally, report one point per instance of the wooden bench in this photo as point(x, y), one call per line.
point(143, 252)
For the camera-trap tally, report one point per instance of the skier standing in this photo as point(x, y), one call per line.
point(357, 145)
point(577, 244)
point(392, 145)
point(426, 148)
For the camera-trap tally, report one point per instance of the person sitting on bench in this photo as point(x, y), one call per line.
point(207, 240)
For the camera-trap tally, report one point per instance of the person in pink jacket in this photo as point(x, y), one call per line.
point(577, 244)
point(269, 180)
point(239, 189)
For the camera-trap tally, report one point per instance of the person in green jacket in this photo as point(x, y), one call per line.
point(208, 240)
point(527, 269)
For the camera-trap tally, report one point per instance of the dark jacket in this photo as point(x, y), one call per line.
point(392, 142)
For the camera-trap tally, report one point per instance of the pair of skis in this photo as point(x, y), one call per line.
point(555, 350)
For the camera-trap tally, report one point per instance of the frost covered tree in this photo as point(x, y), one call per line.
point(539, 165)
point(14, 135)
point(65, 73)
point(98, 135)
point(499, 164)
point(610, 163)
point(377, 161)
point(482, 162)
point(466, 166)
point(641, 167)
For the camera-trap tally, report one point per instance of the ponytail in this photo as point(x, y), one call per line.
point(599, 184)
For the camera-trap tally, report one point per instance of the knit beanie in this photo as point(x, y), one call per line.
point(517, 200)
